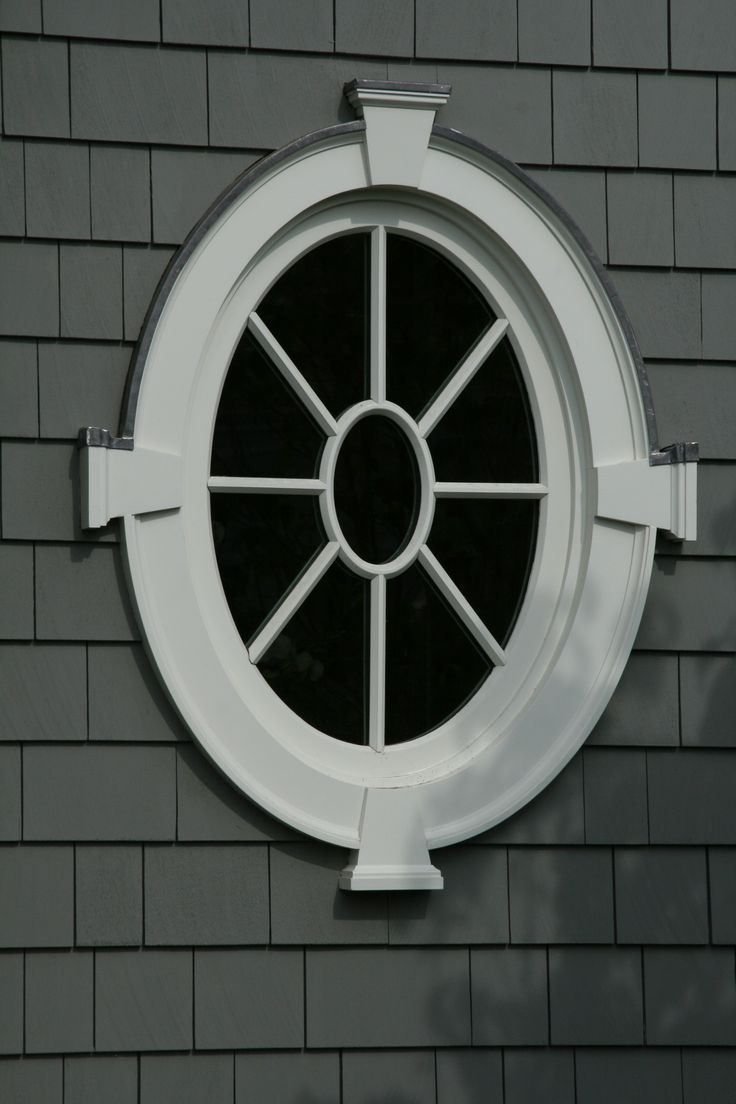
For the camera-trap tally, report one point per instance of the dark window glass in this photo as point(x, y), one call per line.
point(317, 664)
point(262, 543)
point(262, 428)
point(376, 482)
point(434, 317)
point(487, 435)
point(432, 665)
point(487, 547)
point(318, 312)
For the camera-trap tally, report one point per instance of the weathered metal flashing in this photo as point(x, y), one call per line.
point(95, 437)
point(419, 87)
point(681, 452)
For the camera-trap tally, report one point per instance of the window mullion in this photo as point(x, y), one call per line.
point(377, 664)
point(378, 314)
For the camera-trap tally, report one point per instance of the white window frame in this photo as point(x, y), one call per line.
point(609, 486)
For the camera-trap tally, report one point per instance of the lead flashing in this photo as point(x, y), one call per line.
point(378, 93)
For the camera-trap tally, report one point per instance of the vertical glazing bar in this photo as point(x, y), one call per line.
point(377, 661)
point(378, 314)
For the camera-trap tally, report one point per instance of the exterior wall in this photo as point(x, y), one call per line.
point(162, 938)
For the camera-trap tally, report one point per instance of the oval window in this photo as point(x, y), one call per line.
point(390, 484)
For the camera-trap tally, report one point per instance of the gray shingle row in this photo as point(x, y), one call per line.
point(43, 695)
point(138, 94)
point(624, 35)
point(664, 700)
point(80, 593)
point(110, 793)
point(80, 384)
point(682, 315)
point(595, 997)
point(691, 796)
point(680, 614)
point(136, 19)
point(109, 192)
point(583, 194)
point(557, 815)
point(644, 709)
point(703, 214)
point(209, 809)
point(597, 1075)
point(55, 390)
point(77, 1001)
point(43, 692)
point(219, 895)
point(97, 292)
point(188, 895)
point(21, 15)
point(694, 402)
point(184, 183)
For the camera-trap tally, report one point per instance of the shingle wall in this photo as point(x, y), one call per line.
point(162, 938)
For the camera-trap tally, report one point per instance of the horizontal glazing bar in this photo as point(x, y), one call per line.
point(258, 484)
point(490, 490)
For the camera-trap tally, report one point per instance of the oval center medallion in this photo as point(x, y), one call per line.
point(376, 488)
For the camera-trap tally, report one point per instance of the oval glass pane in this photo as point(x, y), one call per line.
point(376, 488)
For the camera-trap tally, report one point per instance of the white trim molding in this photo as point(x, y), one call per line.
point(603, 487)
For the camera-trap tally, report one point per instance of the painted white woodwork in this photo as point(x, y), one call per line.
point(377, 664)
point(393, 852)
point(490, 490)
point(378, 314)
point(398, 123)
point(425, 468)
point(116, 482)
point(259, 484)
point(637, 492)
point(600, 500)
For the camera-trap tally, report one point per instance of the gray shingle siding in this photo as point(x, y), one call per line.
point(160, 935)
